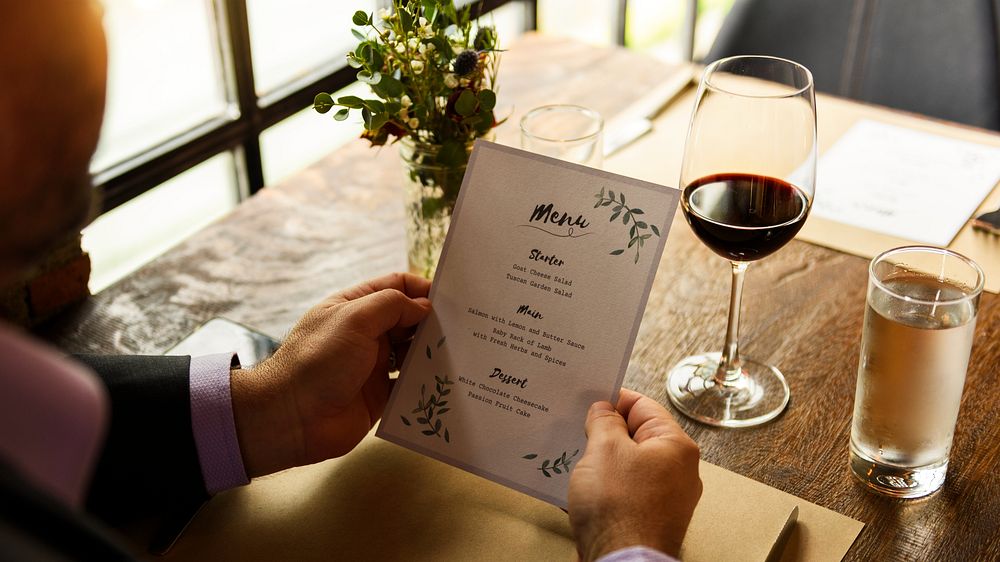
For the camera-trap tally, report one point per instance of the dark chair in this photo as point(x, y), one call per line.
point(938, 58)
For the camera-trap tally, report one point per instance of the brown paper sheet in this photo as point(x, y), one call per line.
point(657, 158)
point(383, 502)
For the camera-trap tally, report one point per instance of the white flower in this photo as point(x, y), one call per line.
point(422, 21)
point(417, 66)
point(425, 32)
point(405, 101)
point(412, 43)
point(464, 82)
point(450, 80)
point(430, 47)
point(385, 14)
point(400, 48)
point(404, 114)
point(413, 123)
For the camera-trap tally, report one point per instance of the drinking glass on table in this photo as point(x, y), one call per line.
point(748, 178)
point(919, 323)
point(567, 132)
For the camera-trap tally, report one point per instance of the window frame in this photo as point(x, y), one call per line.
point(239, 132)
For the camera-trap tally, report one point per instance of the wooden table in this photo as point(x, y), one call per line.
point(340, 222)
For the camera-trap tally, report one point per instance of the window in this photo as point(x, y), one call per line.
point(208, 100)
point(158, 219)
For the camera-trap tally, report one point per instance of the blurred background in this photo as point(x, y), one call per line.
point(210, 100)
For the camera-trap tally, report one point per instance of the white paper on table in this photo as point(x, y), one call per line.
point(904, 183)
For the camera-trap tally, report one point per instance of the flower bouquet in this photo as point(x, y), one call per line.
point(433, 74)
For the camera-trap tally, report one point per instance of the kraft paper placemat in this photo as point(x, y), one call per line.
point(383, 502)
point(835, 117)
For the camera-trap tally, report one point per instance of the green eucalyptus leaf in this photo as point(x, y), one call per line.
point(370, 78)
point(353, 102)
point(405, 19)
point(341, 115)
point(360, 18)
point(358, 35)
point(430, 10)
point(323, 102)
point(375, 105)
point(487, 99)
point(392, 87)
point(466, 103)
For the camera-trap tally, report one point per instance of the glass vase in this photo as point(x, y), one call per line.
point(431, 192)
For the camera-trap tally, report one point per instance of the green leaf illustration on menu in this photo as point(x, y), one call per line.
point(558, 465)
point(431, 407)
point(637, 232)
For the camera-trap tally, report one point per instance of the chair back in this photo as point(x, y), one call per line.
point(938, 58)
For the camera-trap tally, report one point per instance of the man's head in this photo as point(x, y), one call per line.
point(53, 69)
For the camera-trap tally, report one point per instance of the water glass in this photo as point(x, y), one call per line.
point(569, 132)
point(919, 323)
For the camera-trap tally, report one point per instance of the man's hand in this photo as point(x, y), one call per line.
point(637, 483)
point(328, 383)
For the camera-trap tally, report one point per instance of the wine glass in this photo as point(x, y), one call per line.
point(748, 174)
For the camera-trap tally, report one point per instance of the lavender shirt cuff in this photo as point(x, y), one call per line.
point(637, 554)
point(213, 423)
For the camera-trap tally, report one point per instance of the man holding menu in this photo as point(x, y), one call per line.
point(159, 430)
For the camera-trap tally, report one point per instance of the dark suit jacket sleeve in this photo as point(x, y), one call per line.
point(149, 463)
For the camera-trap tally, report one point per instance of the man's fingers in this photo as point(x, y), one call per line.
point(645, 417)
point(410, 285)
point(603, 422)
point(380, 312)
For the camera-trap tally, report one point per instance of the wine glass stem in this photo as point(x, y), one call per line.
point(730, 367)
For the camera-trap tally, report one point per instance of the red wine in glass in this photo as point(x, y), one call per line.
point(744, 217)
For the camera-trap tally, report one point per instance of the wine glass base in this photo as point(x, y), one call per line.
point(758, 396)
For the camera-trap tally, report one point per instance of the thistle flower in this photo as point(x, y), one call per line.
point(465, 63)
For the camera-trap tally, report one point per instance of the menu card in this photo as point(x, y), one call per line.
point(905, 183)
point(536, 303)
